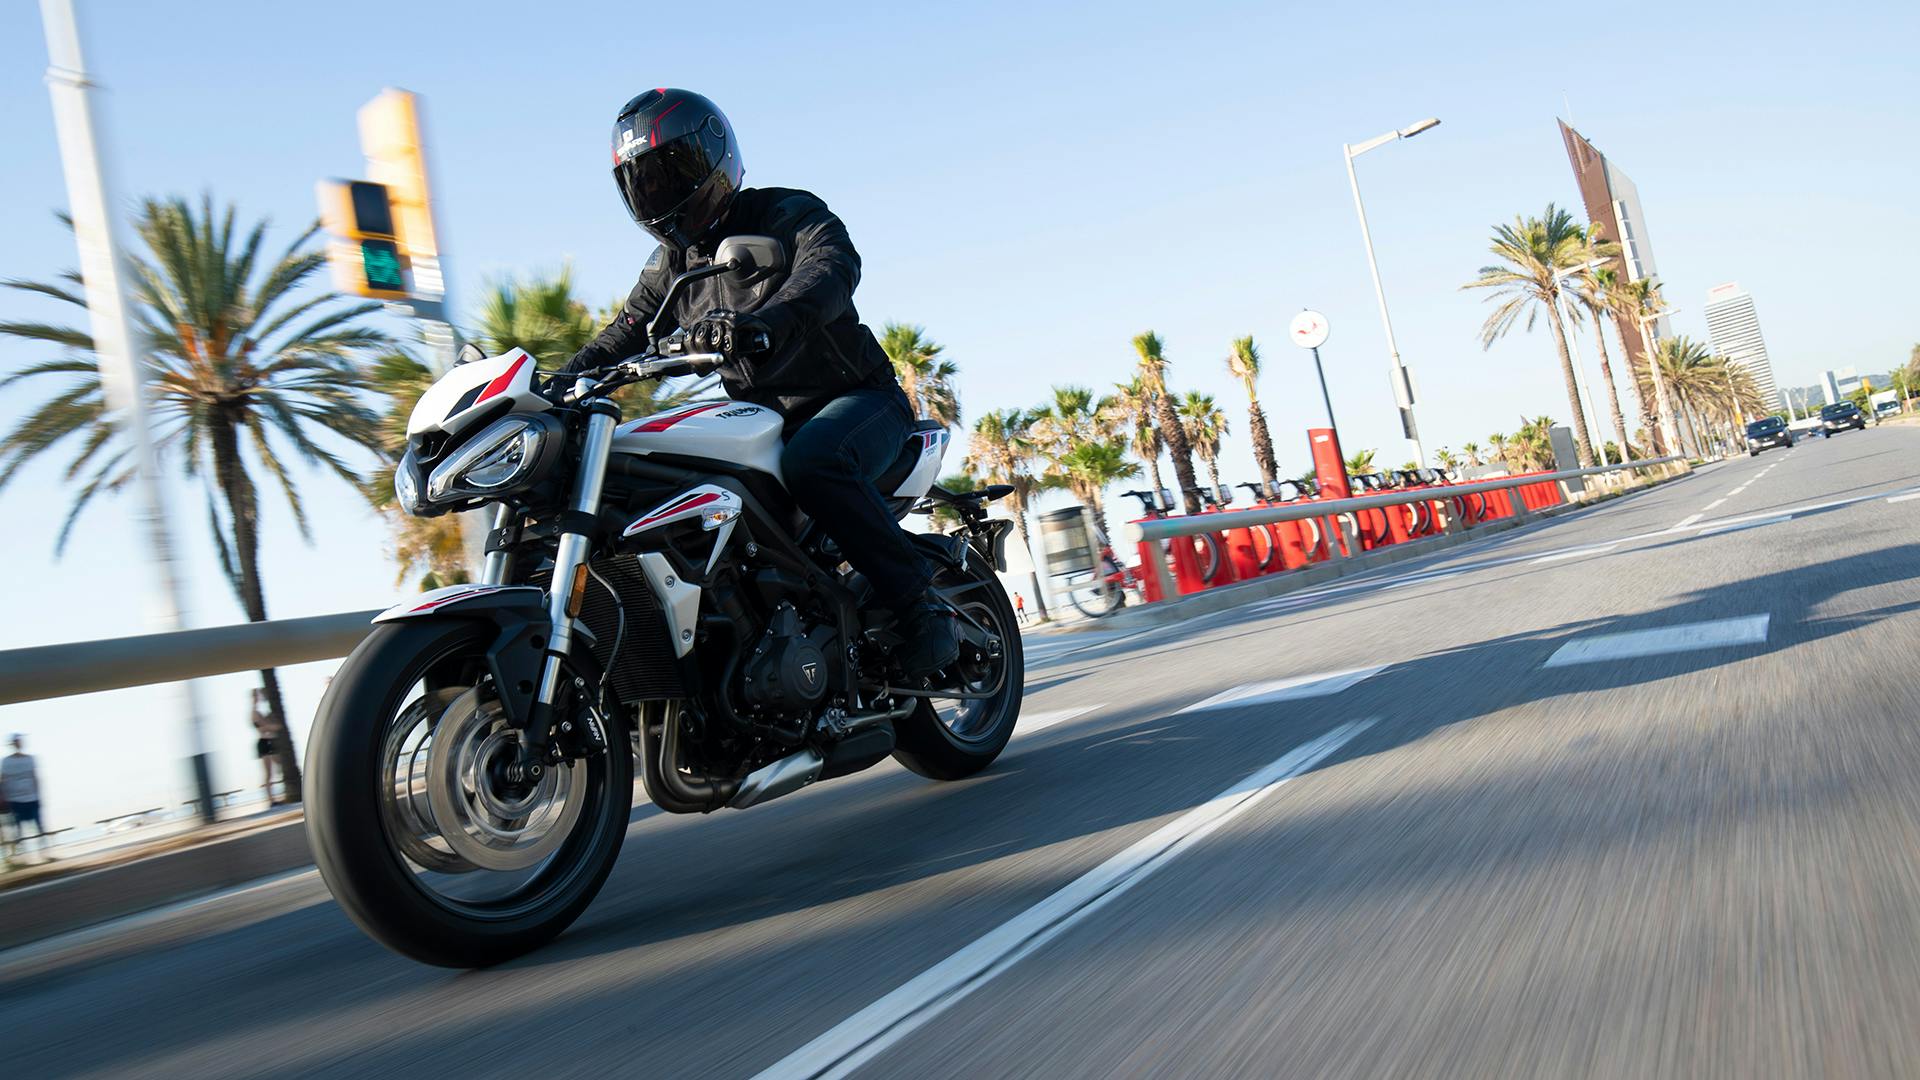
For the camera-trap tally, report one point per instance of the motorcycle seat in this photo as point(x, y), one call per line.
point(908, 457)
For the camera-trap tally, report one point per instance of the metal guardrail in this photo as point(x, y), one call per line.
point(85, 667)
point(1220, 521)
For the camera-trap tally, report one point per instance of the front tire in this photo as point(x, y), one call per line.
point(390, 879)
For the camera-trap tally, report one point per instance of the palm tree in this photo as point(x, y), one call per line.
point(540, 315)
point(1497, 443)
point(1360, 463)
point(1153, 372)
point(1597, 290)
point(1447, 458)
point(927, 379)
point(1533, 253)
point(1073, 417)
point(1693, 380)
point(1472, 450)
point(1131, 411)
point(1531, 447)
point(1205, 424)
point(1643, 300)
point(242, 368)
point(1243, 363)
point(1089, 467)
point(1002, 451)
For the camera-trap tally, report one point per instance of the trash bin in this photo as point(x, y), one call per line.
point(1068, 542)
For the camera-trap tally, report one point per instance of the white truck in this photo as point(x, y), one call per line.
point(1883, 403)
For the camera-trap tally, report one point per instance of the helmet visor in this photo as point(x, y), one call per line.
point(654, 182)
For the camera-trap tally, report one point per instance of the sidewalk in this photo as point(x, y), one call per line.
point(43, 899)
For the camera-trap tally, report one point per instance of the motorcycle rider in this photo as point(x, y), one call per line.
point(792, 342)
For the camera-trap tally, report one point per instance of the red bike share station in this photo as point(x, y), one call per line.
point(1082, 562)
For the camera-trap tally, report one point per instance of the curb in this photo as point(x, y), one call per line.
point(34, 912)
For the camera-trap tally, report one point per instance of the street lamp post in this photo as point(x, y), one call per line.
point(1662, 400)
point(115, 346)
point(1402, 386)
point(1582, 381)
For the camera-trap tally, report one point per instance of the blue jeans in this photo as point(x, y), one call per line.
point(831, 464)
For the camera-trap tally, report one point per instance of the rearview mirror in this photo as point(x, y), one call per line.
point(468, 354)
point(753, 258)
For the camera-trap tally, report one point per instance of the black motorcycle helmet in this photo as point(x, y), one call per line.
point(676, 164)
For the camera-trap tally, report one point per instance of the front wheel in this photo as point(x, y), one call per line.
point(420, 831)
point(952, 738)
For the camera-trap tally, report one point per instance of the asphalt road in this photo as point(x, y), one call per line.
point(1628, 793)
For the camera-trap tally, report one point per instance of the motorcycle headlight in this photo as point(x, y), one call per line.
point(506, 456)
point(406, 484)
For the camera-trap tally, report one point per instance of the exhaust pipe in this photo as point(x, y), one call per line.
point(783, 777)
point(669, 788)
point(791, 773)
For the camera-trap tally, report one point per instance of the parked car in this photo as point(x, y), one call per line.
point(1842, 415)
point(1767, 431)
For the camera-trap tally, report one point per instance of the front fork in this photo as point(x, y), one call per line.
point(569, 560)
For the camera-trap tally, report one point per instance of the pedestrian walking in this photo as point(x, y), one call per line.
point(20, 787)
point(267, 746)
point(1020, 608)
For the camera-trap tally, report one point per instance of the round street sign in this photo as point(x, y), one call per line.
point(1309, 330)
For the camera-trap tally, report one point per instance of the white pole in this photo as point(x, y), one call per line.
point(121, 377)
point(1402, 388)
point(1583, 382)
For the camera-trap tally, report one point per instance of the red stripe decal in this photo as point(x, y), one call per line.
point(687, 503)
point(497, 386)
point(662, 423)
point(431, 604)
point(654, 135)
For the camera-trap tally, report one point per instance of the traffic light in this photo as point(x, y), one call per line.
point(365, 253)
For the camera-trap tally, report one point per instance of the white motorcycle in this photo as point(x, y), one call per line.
point(650, 593)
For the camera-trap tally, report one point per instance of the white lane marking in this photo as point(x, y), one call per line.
point(1032, 722)
point(1716, 502)
point(1288, 689)
point(1909, 497)
point(1738, 490)
point(868, 1033)
point(1574, 553)
point(275, 884)
point(1746, 630)
point(1688, 521)
point(1738, 525)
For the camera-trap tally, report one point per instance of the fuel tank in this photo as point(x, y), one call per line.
point(729, 431)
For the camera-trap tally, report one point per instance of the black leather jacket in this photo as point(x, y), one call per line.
point(822, 349)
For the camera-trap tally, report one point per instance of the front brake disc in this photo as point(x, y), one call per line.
point(494, 825)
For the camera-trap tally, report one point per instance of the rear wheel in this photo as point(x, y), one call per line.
point(951, 738)
point(418, 828)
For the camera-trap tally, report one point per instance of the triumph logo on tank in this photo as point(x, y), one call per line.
point(746, 410)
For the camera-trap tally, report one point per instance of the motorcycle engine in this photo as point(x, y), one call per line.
point(787, 669)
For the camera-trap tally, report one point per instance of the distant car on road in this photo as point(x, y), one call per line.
point(1767, 431)
point(1842, 415)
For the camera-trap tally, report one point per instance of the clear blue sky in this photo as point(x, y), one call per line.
point(1033, 183)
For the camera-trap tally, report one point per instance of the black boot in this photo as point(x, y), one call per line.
point(928, 640)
